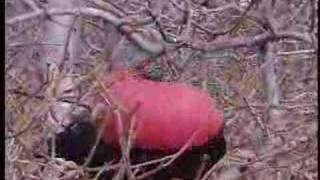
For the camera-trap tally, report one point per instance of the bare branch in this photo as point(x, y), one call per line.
point(23, 44)
point(32, 4)
point(257, 40)
point(65, 52)
point(109, 6)
point(298, 52)
point(153, 45)
point(270, 79)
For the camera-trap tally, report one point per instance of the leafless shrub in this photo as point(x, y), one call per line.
point(257, 58)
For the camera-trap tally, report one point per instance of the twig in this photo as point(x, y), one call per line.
point(238, 21)
point(109, 6)
point(65, 52)
point(21, 132)
point(93, 149)
point(23, 93)
point(111, 102)
point(32, 4)
point(225, 31)
point(23, 44)
point(204, 163)
point(312, 15)
point(213, 168)
point(105, 168)
point(126, 141)
point(256, 117)
point(170, 158)
point(257, 40)
point(298, 52)
point(123, 145)
point(270, 80)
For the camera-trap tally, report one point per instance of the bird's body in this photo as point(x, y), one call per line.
point(166, 116)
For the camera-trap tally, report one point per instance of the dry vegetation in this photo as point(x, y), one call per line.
point(257, 58)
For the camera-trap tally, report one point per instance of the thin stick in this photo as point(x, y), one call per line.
point(170, 158)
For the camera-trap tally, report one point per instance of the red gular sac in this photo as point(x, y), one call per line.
point(164, 117)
